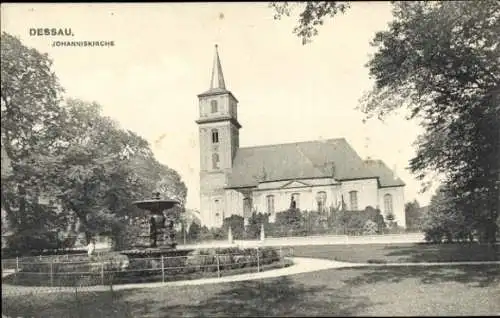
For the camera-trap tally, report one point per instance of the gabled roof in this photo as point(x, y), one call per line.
point(387, 177)
point(312, 159)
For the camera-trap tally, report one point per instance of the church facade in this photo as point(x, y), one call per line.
point(311, 176)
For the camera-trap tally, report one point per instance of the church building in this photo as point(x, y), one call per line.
point(312, 175)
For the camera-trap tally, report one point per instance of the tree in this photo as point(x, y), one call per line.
point(312, 15)
point(444, 220)
point(413, 214)
point(90, 171)
point(440, 62)
point(30, 96)
point(194, 232)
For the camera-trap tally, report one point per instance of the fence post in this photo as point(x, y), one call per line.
point(17, 264)
point(258, 260)
point(218, 265)
point(162, 269)
point(51, 273)
point(282, 257)
point(102, 273)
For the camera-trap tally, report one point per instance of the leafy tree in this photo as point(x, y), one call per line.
point(312, 15)
point(90, 171)
point(30, 96)
point(237, 224)
point(413, 214)
point(444, 220)
point(254, 225)
point(194, 231)
point(439, 61)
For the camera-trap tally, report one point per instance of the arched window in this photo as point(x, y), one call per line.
point(217, 209)
point(321, 201)
point(270, 204)
point(215, 160)
point(215, 136)
point(388, 204)
point(214, 107)
point(353, 199)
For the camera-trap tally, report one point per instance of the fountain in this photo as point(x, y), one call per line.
point(161, 236)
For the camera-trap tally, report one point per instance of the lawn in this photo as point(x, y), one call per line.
point(402, 253)
point(367, 291)
point(390, 291)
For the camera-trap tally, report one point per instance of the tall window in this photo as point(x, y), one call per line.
point(270, 204)
point(353, 197)
point(388, 204)
point(296, 200)
point(214, 106)
point(217, 208)
point(247, 207)
point(215, 160)
point(321, 201)
point(215, 136)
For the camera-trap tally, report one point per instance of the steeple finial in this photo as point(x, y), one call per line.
point(217, 76)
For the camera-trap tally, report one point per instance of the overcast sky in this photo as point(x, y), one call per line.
point(163, 56)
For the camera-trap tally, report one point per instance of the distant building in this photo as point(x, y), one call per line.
point(311, 175)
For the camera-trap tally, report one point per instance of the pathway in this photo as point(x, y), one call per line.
point(301, 265)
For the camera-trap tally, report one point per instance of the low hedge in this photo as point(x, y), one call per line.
point(116, 268)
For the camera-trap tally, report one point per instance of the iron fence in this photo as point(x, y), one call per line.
point(106, 272)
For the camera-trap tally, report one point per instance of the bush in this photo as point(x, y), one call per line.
point(237, 224)
point(33, 241)
point(255, 224)
point(370, 228)
point(84, 271)
point(195, 232)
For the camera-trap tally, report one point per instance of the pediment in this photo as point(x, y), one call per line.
point(295, 184)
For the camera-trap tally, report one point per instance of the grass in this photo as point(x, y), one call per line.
point(402, 253)
point(471, 290)
point(367, 291)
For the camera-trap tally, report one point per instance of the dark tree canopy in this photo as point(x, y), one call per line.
point(440, 61)
point(64, 162)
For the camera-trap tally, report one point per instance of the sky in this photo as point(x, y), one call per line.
point(162, 58)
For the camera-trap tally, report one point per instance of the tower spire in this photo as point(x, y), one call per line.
point(217, 76)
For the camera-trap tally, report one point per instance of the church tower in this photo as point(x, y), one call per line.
point(219, 141)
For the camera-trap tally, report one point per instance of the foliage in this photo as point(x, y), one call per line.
point(311, 17)
point(237, 225)
point(255, 222)
point(439, 61)
point(194, 232)
point(413, 213)
point(30, 93)
point(370, 228)
point(121, 269)
point(291, 218)
point(70, 164)
point(442, 60)
point(33, 241)
point(444, 221)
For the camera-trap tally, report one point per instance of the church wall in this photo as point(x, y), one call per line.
point(398, 203)
point(307, 201)
point(367, 193)
point(234, 203)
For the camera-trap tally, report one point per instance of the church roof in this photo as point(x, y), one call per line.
point(312, 159)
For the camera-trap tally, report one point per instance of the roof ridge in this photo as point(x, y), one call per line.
point(307, 158)
point(295, 143)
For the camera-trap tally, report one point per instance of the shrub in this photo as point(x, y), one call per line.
point(370, 228)
point(195, 232)
point(237, 225)
point(33, 240)
point(255, 223)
